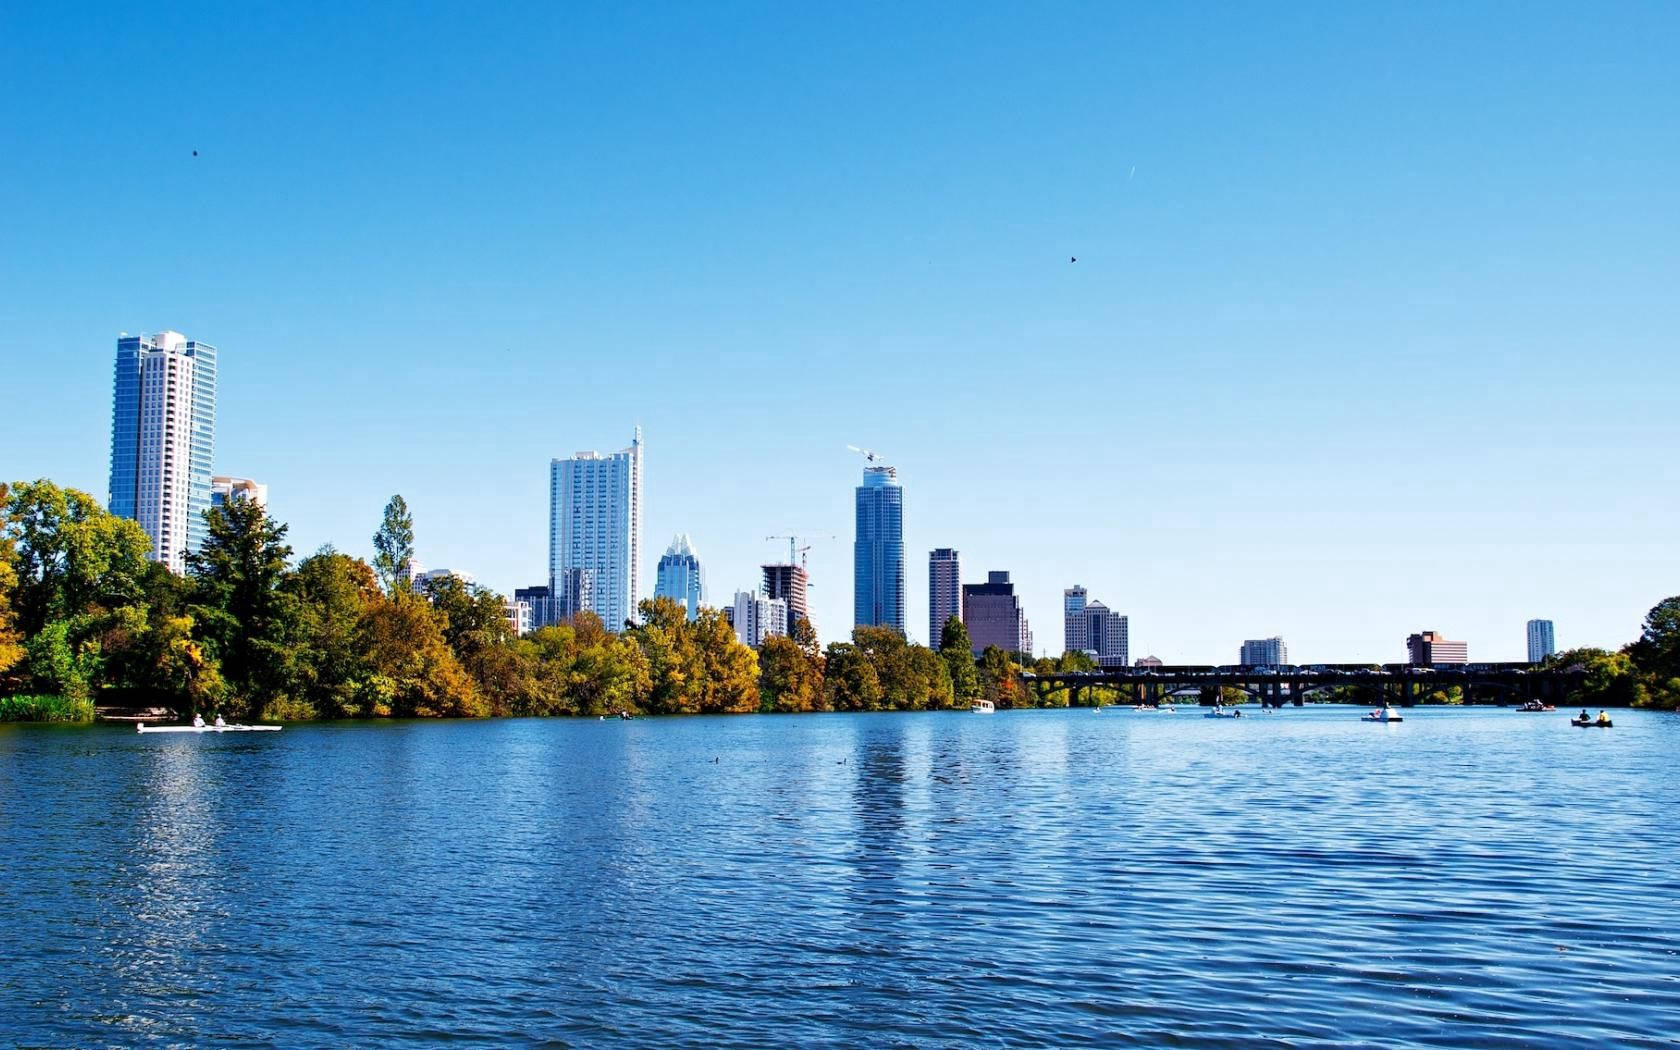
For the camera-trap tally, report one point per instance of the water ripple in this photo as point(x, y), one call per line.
point(1472, 878)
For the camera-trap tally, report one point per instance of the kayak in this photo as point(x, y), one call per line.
point(1590, 724)
point(144, 728)
point(1379, 718)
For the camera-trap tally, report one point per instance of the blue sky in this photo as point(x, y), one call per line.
point(1372, 329)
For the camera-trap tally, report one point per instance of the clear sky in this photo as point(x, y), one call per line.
point(1373, 326)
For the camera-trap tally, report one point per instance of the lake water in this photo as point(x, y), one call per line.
point(1044, 878)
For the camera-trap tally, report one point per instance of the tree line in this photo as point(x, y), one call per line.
point(86, 619)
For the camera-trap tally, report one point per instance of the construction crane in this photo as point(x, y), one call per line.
point(794, 549)
point(872, 457)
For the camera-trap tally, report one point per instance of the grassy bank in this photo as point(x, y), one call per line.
point(45, 709)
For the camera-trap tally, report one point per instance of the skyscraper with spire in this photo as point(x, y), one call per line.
point(681, 577)
point(163, 440)
point(595, 532)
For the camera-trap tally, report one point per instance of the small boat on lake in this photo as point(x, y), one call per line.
point(1383, 714)
point(144, 728)
point(1534, 706)
point(1221, 711)
point(1592, 723)
point(982, 707)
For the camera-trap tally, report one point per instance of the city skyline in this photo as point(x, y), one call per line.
point(1285, 297)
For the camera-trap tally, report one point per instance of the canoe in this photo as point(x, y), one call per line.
point(1590, 724)
point(144, 728)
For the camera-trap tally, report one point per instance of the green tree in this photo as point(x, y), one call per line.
point(332, 593)
point(957, 650)
point(1000, 678)
point(1608, 679)
point(728, 670)
point(69, 556)
point(240, 608)
point(393, 546)
point(849, 679)
point(11, 639)
point(790, 680)
point(414, 672)
point(1656, 654)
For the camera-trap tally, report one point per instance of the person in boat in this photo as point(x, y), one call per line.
point(1584, 716)
point(219, 722)
point(1604, 718)
point(198, 720)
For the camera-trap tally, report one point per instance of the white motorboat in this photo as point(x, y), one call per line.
point(144, 728)
point(982, 707)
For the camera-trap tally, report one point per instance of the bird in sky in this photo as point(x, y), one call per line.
point(1073, 258)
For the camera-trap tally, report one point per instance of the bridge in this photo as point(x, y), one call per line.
point(1274, 686)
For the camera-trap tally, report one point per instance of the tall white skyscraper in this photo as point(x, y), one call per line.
point(595, 525)
point(1263, 652)
point(163, 436)
point(1540, 643)
point(1073, 619)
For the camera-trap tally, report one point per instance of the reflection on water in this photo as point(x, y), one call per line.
point(1038, 878)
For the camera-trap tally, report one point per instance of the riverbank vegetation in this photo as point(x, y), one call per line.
point(248, 631)
point(86, 619)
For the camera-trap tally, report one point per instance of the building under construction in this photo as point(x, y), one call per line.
point(789, 583)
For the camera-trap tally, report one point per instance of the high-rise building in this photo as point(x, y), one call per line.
point(1090, 627)
point(878, 553)
point(1540, 643)
point(1073, 619)
point(944, 591)
point(224, 490)
point(680, 576)
point(1429, 648)
point(1264, 652)
point(757, 617)
point(790, 583)
point(993, 615)
point(1107, 635)
point(163, 438)
point(595, 525)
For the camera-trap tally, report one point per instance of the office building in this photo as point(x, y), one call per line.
point(757, 617)
point(1073, 619)
point(1149, 663)
point(878, 553)
point(595, 526)
point(680, 577)
point(993, 615)
point(224, 490)
point(944, 592)
point(1107, 636)
point(1429, 648)
point(518, 616)
point(1264, 652)
point(790, 583)
point(1092, 628)
point(163, 436)
point(1540, 643)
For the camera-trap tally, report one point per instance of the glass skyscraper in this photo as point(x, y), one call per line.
point(878, 553)
point(680, 576)
point(163, 439)
point(595, 532)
